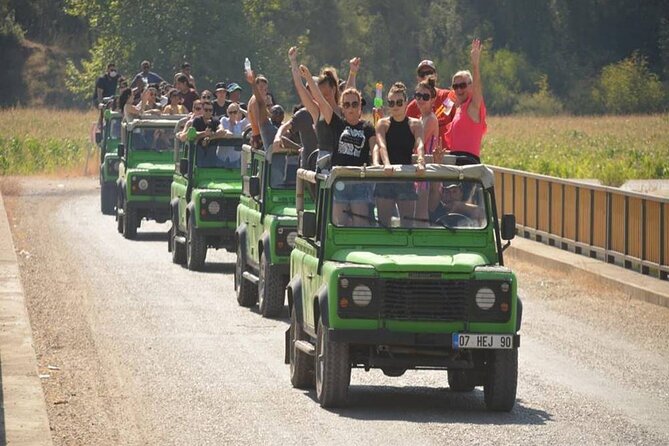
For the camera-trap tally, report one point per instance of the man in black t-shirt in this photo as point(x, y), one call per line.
point(105, 86)
point(206, 125)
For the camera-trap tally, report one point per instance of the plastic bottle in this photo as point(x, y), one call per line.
point(378, 102)
point(247, 65)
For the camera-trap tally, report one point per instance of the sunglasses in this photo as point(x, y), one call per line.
point(206, 97)
point(397, 103)
point(208, 109)
point(353, 104)
point(425, 73)
point(197, 108)
point(461, 85)
point(422, 96)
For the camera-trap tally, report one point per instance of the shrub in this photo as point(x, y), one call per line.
point(629, 87)
point(541, 103)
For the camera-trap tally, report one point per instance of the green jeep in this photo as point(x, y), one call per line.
point(109, 161)
point(205, 193)
point(145, 173)
point(266, 228)
point(403, 292)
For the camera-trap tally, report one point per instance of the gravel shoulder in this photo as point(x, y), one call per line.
point(149, 353)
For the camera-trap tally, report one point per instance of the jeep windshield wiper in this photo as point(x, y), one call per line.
point(369, 218)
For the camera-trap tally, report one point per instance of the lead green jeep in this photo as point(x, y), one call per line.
point(403, 292)
point(266, 228)
point(205, 193)
point(145, 173)
point(109, 161)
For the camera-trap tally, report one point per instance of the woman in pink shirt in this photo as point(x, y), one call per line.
point(465, 133)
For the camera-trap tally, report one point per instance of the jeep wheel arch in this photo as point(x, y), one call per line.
point(294, 289)
point(321, 306)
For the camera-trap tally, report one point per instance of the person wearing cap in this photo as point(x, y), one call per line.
point(221, 92)
point(234, 95)
point(276, 115)
point(444, 102)
point(448, 198)
point(465, 133)
point(147, 75)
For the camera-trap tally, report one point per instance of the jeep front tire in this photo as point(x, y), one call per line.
point(301, 364)
point(196, 248)
point(332, 368)
point(501, 380)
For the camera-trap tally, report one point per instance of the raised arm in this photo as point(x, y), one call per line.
point(477, 86)
point(260, 102)
point(305, 97)
point(354, 67)
point(323, 104)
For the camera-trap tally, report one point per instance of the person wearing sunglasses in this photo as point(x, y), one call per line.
point(196, 113)
point(443, 105)
point(353, 140)
point(398, 137)
point(234, 122)
point(207, 126)
point(465, 133)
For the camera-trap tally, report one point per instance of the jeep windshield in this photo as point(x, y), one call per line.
point(115, 128)
point(219, 154)
point(404, 203)
point(152, 138)
point(284, 170)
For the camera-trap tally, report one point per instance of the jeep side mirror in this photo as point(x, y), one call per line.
point(306, 224)
point(121, 150)
point(508, 228)
point(254, 186)
point(183, 166)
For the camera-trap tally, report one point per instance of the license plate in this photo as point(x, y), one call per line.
point(478, 340)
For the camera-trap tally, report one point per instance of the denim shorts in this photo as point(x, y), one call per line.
point(401, 191)
point(351, 193)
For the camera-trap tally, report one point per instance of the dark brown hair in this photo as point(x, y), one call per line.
point(398, 87)
point(329, 76)
point(429, 84)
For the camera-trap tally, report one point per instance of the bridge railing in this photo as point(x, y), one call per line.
point(625, 228)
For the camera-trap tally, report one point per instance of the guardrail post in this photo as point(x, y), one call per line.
point(626, 210)
point(577, 214)
point(609, 216)
point(644, 269)
point(593, 254)
point(663, 258)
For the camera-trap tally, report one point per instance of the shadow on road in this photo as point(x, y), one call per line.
point(152, 237)
point(218, 267)
point(439, 405)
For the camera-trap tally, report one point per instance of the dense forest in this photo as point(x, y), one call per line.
point(540, 56)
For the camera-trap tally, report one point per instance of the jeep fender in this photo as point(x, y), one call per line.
point(519, 314)
point(190, 208)
point(264, 246)
point(294, 289)
point(322, 307)
point(240, 236)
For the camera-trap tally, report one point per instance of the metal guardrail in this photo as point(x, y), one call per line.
point(624, 228)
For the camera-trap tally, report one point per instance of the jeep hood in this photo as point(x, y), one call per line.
point(222, 185)
point(161, 167)
point(415, 260)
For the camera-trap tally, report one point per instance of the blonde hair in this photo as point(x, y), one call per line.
point(353, 91)
point(464, 73)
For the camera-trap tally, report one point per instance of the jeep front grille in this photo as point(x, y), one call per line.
point(161, 185)
point(426, 300)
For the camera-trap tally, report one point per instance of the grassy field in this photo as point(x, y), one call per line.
point(611, 149)
point(45, 141)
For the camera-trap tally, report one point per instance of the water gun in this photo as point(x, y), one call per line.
point(378, 102)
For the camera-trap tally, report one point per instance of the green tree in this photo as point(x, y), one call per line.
point(629, 87)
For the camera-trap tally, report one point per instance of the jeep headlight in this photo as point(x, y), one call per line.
point(291, 239)
point(214, 207)
point(143, 184)
point(485, 298)
point(361, 295)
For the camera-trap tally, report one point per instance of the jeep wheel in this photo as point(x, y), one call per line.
point(178, 249)
point(196, 248)
point(245, 292)
point(501, 379)
point(129, 223)
point(301, 364)
point(333, 370)
point(270, 289)
point(107, 199)
point(119, 218)
point(460, 380)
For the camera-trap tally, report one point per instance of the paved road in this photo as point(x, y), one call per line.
point(150, 353)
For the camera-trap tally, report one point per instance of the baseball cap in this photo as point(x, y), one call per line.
point(234, 86)
point(276, 110)
point(220, 86)
point(426, 64)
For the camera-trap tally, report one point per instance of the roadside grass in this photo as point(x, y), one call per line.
point(612, 149)
point(45, 141)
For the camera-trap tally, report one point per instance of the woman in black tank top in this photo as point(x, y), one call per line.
point(398, 136)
